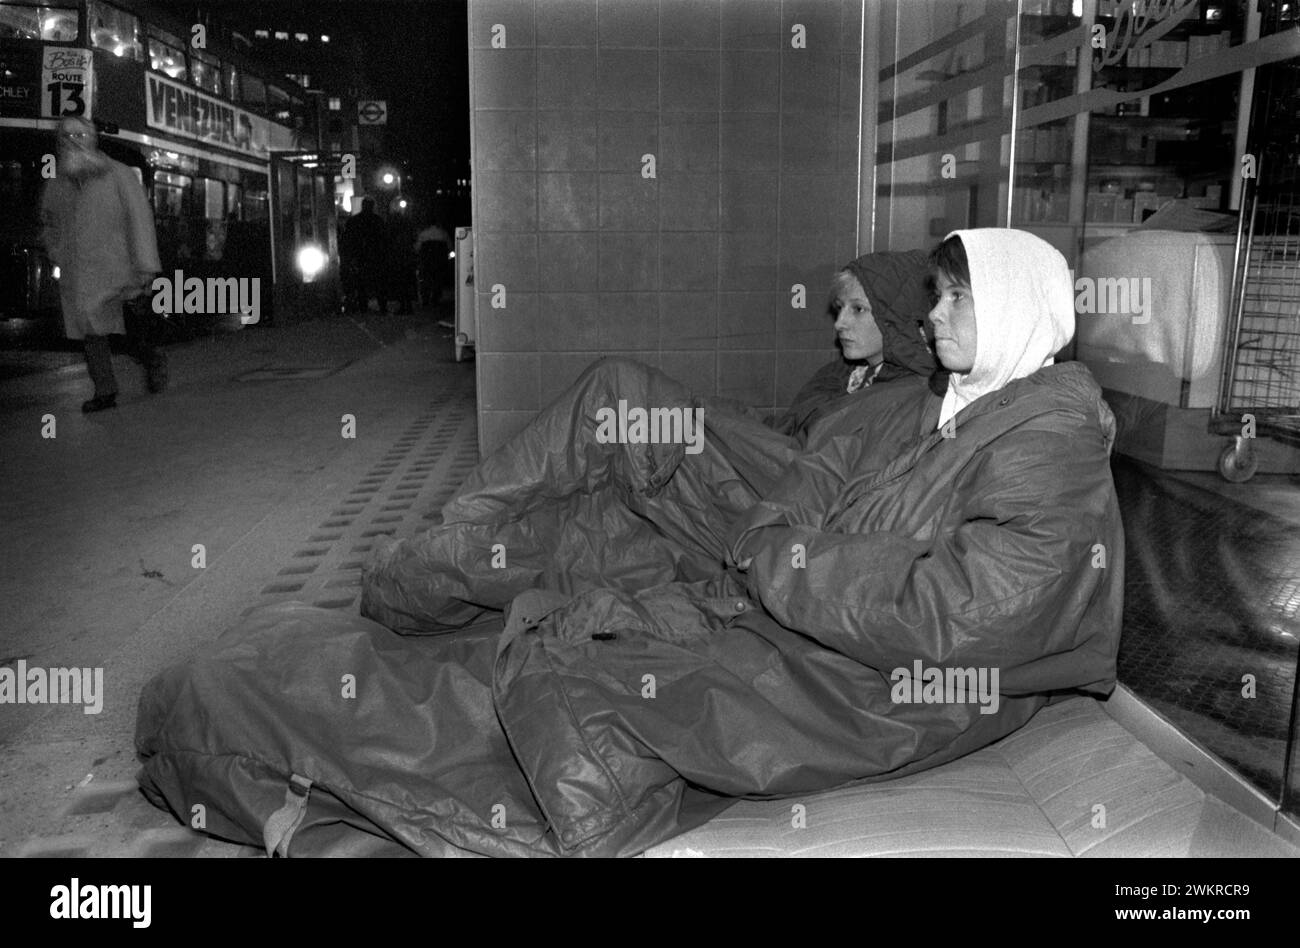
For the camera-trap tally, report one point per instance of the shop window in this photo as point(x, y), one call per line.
point(306, 216)
point(252, 93)
point(205, 72)
point(167, 55)
point(33, 22)
point(278, 102)
point(115, 30)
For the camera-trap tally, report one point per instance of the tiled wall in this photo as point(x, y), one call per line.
point(755, 146)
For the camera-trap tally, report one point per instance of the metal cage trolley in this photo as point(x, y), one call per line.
point(1259, 392)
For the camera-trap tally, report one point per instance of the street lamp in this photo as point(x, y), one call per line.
point(389, 179)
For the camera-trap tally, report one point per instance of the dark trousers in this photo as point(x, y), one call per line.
point(404, 287)
point(141, 345)
point(368, 281)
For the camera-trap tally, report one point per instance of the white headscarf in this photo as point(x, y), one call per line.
point(1024, 311)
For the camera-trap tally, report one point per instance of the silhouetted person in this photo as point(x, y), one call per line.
point(98, 229)
point(247, 254)
point(363, 249)
point(401, 259)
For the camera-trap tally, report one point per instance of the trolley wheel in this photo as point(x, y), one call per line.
point(1238, 462)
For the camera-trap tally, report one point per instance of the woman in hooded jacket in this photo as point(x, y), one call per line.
point(879, 304)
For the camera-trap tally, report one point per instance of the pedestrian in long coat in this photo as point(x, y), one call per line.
point(98, 229)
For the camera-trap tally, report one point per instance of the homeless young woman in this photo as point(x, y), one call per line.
point(566, 505)
point(602, 723)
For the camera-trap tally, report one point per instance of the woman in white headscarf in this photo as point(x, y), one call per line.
point(1026, 311)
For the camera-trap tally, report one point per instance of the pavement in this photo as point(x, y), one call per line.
point(136, 535)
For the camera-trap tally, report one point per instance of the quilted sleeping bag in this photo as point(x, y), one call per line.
point(676, 629)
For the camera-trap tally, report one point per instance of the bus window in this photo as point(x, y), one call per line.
point(34, 22)
point(205, 72)
point(166, 54)
point(214, 223)
point(14, 191)
point(214, 202)
point(115, 30)
point(230, 76)
point(169, 193)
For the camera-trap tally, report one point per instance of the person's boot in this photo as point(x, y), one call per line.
point(99, 403)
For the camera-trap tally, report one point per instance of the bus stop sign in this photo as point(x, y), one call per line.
point(372, 112)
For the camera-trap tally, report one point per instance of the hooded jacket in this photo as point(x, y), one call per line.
point(895, 284)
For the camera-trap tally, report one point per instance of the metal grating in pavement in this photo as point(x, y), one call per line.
point(290, 373)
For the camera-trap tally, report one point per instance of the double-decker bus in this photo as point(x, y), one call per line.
point(222, 146)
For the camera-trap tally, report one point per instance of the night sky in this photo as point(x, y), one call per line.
point(413, 54)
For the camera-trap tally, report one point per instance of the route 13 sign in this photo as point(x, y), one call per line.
point(67, 82)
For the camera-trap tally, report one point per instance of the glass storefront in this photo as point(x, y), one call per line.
point(1118, 109)
point(1156, 145)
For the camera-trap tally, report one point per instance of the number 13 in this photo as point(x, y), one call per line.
point(75, 104)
